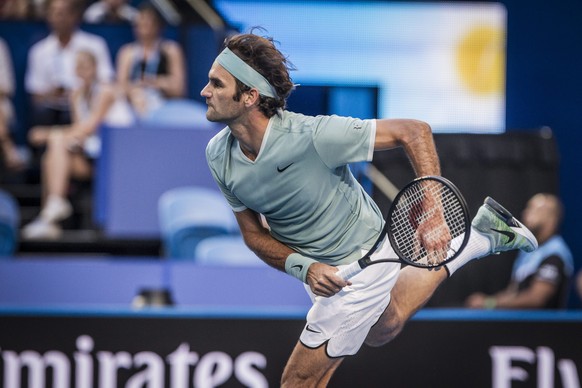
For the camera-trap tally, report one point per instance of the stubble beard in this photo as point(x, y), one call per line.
point(212, 116)
point(226, 117)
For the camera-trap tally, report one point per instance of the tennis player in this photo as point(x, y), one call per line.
point(292, 169)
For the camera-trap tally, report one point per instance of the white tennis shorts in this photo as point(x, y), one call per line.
point(343, 321)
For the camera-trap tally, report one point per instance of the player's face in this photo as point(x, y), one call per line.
point(219, 93)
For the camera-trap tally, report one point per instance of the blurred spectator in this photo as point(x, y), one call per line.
point(110, 11)
point(150, 69)
point(12, 158)
point(17, 10)
point(72, 149)
point(50, 72)
point(540, 279)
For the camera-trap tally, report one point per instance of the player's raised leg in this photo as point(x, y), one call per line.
point(494, 229)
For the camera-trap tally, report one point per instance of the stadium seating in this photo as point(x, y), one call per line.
point(188, 215)
point(226, 251)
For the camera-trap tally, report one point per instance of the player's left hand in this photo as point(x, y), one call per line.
point(435, 236)
point(323, 280)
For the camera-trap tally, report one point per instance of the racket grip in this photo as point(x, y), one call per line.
point(349, 271)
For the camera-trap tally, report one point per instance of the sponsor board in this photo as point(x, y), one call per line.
point(179, 352)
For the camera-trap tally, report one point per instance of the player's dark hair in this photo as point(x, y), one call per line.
point(261, 54)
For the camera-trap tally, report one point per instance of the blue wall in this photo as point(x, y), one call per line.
point(544, 88)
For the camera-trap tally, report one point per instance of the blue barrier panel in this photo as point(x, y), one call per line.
point(94, 281)
point(137, 165)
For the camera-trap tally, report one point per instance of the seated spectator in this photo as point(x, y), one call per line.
point(12, 158)
point(151, 69)
point(110, 11)
point(71, 150)
point(50, 74)
point(540, 279)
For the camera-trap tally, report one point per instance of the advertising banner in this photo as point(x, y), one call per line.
point(108, 351)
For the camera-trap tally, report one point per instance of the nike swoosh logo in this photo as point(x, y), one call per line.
point(509, 235)
point(308, 328)
point(298, 266)
point(284, 168)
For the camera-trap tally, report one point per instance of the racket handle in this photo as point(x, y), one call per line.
point(350, 271)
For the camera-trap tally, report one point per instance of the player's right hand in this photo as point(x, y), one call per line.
point(323, 280)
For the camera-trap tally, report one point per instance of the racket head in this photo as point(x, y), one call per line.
point(428, 212)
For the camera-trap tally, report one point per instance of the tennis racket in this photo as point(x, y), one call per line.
point(428, 225)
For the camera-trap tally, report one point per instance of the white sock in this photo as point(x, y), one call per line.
point(477, 246)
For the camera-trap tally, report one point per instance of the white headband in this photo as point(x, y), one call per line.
point(245, 73)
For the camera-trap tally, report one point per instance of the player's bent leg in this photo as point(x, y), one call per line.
point(309, 367)
point(387, 328)
point(412, 290)
point(494, 229)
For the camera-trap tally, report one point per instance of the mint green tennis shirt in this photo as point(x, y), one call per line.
point(301, 183)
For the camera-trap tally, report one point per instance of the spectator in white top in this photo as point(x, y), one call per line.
point(50, 74)
point(110, 11)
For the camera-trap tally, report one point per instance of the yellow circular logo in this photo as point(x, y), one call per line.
point(481, 60)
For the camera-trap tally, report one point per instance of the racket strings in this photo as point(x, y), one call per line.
point(426, 213)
